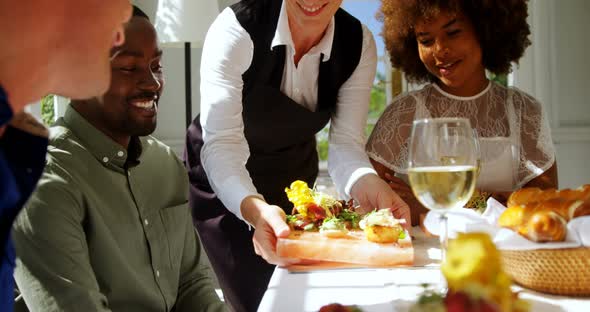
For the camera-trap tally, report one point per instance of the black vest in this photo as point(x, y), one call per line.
point(279, 131)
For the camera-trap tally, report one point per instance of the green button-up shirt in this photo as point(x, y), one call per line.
point(108, 229)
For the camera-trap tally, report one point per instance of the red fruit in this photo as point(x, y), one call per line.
point(316, 211)
point(458, 302)
point(334, 307)
point(486, 306)
point(461, 302)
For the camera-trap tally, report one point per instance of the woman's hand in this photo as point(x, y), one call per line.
point(373, 193)
point(405, 192)
point(269, 223)
point(400, 187)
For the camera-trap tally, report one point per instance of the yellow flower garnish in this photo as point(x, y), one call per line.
point(473, 266)
point(300, 195)
point(305, 198)
point(475, 278)
point(471, 258)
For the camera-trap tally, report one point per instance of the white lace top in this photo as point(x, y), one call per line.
point(515, 139)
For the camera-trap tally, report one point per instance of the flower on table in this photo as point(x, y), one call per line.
point(475, 278)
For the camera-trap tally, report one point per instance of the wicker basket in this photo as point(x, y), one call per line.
point(553, 271)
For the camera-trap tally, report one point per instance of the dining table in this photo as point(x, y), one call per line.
point(309, 287)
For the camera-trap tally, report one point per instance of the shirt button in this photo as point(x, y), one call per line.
point(146, 222)
point(105, 159)
point(157, 273)
point(120, 153)
point(297, 90)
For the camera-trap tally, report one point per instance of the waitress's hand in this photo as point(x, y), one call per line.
point(399, 186)
point(269, 223)
point(373, 193)
point(405, 192)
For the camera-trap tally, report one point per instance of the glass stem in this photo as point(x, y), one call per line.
point(444, 236)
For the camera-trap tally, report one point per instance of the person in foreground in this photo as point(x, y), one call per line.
point(450, 44)
point(46, 48)
point(108, 227)
point(273, 74)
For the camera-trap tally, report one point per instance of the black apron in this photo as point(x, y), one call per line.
point(281, 138)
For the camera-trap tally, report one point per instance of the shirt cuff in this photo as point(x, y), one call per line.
point(232, 192)
point(355, 176)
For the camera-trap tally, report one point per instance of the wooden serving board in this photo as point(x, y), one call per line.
point(354, 248)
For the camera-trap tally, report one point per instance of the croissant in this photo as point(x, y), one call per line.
point(535, 194)
point(542, 215)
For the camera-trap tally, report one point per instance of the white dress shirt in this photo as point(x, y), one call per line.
point(227, 54)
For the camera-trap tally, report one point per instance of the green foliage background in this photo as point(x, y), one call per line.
point(47, 110)
point(377, 104)
point(501, 79)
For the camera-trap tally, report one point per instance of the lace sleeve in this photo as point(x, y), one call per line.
point(388, 143)
point(537, 153)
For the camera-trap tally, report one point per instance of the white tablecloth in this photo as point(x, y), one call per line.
point(381, 290)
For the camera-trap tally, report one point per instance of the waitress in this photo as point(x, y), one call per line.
point(273, 74)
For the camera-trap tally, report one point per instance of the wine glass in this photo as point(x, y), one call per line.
point(477, 154)
point(442, 166)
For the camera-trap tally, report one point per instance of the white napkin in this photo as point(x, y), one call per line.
point(468, 220)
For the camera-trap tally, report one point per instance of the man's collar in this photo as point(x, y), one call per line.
point(283, 36)
point(107, 151)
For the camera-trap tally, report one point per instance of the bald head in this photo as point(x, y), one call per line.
point(60, 47)
point(139, 13)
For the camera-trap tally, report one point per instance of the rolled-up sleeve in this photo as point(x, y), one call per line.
point(347, 160)
point(227, 54)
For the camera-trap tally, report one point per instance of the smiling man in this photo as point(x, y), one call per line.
point(108, 228)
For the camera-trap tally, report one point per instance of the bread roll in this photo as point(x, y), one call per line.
point(542, 215)
point(525, 196)
point(534, 194)
point(545, 226)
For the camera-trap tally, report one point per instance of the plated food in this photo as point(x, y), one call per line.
point(542, 215)
point(316, 211)
point(327, 229)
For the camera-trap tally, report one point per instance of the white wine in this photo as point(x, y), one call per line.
point(477, 168)
point(443, 187)
point(452, 160)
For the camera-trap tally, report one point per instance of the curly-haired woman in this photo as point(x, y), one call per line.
point(449, 45)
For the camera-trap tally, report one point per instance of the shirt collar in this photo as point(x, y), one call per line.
point(107, 151)
point(5, 109)
point(283, 36)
